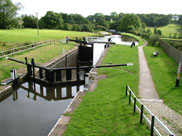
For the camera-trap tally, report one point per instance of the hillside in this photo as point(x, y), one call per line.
point(18, 37)
point(168, 30)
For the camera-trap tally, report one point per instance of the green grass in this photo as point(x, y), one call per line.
point(139, 39)
point(164, 71)
point(41, 55)
point(168, 30)
point(17, 37)
point(105, 111)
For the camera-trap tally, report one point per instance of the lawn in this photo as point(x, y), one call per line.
point(18, 37)
point(168, 30)
point(41, 55)
point(164, 71)
point(105, 111)
point(139, 39)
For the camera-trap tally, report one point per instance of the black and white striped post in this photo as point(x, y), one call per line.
point(178, 74)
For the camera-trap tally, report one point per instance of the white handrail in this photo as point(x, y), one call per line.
point(149, 112)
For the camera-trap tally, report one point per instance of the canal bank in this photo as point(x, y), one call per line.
point(34, 97)
point(105, 111)
point(64, 119)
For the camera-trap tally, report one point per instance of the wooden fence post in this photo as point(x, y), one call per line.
point(134, 108)
point(33, 64)
point(77, 71)
point(141, 114)
point(126, 90)
point(152, 126)
point(40, 73)
point(130, 97)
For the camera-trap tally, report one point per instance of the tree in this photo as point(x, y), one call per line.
point(129, 22)
point(155, 30)
point(52, 20)
point(8, 12)
point(29, 21)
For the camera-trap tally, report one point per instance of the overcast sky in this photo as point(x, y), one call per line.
point(90, 7)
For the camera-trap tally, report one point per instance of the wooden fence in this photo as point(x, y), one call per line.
point(26, 48)
point(145, 113)
point(171, 51)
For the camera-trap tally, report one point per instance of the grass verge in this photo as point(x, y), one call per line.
point(41, 55)
point(139, 39)
point(105, 111)
point(164, 71)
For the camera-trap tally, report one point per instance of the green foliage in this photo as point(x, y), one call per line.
point(153, 39)
point(129, 22)
point(29, 21)
point(155, 30)
point(8, 11)
point(152, 20)
point(52, 20)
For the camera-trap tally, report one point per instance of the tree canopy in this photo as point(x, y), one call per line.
point(129, 22)
point(8, 11)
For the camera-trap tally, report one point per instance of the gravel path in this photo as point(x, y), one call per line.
point(150, 98)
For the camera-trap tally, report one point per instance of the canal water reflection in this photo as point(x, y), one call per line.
point(32, 110)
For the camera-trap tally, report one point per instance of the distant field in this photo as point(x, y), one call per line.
point(17, 37)
point(171, 29)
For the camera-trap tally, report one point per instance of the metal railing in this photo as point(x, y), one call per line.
point(145, 113)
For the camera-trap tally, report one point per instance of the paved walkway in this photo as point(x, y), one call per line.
point(150, 98)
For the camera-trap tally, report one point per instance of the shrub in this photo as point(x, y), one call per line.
point(153, 39)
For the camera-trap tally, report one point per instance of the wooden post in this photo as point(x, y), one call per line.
point(78, 70)
point(141, 114)
point(58, 75)
point(134, 109)
point(40, 73)
point(126, 90)
point(66, 61)
point(152, 126)
point(68, 74)
point(33, 64)
point(29, 67)
point(130, 98)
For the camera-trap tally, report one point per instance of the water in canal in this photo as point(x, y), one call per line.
point(33, 109)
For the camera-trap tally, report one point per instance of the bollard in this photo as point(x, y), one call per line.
point(13, 74)
point(86, 78)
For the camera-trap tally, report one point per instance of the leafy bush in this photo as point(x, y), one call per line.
point(153, 39)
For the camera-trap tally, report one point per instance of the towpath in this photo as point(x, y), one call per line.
point(150, 98)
